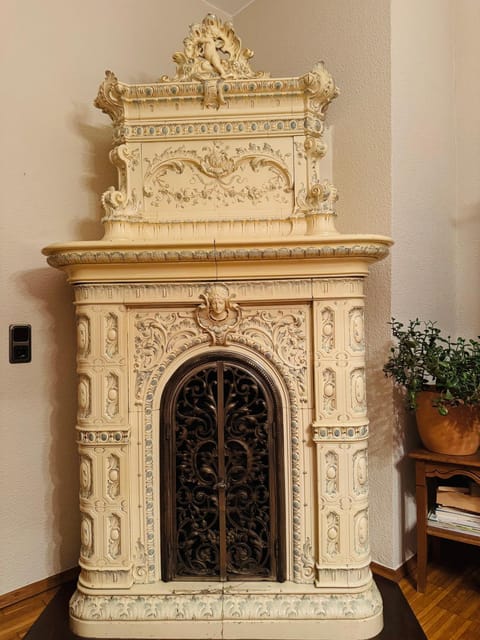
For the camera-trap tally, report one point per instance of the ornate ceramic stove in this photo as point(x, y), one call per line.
point(222, 427)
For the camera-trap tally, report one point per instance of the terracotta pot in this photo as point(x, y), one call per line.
point(457, 433)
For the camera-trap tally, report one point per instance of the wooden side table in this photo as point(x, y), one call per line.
point(429, 465)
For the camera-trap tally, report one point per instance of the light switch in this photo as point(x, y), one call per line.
point(20, 343)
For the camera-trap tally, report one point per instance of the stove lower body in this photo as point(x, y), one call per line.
point(241, 611)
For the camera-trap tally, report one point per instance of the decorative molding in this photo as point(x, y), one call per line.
point(221, 605)
point(369, 251)
point(99, 436)
point(339, 433)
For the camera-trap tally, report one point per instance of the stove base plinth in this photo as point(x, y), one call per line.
point(271, 611)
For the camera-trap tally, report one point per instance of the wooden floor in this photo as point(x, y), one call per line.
point(450, 607)
point(449, 610)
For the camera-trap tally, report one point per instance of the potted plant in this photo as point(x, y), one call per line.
point(441, 378)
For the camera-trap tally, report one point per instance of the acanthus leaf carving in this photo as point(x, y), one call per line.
point(157, 336)
point(282, 332)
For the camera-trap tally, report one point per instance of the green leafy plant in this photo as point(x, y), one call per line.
point(424, 360)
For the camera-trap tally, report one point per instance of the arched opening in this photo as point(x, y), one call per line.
point(222, 476)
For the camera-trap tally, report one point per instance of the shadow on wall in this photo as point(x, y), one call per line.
point(51, 288)
point(99, 174)
point(393, 435)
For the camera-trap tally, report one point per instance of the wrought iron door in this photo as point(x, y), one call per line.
point(220, 482)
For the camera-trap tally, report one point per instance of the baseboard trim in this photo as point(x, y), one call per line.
point(30, 590)
point(394, 575)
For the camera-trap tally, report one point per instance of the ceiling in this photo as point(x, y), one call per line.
point(230, 6)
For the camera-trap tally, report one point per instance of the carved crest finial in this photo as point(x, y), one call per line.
point(213, 50)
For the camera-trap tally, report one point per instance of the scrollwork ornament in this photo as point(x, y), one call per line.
point(218, 315)
point(320, 87)
point(308, 560)
point(109, 98)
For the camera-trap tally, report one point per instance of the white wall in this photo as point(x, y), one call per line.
point(466, 91)
point(54, 166)
point(423, 202)
point(353, 38)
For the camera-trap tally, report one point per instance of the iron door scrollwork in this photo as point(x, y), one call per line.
point(220, 493)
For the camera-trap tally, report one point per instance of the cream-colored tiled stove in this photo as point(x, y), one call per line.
point(220, 246)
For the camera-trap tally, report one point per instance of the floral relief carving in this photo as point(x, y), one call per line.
point(86, 488)
point(331, 473)
point(111, 395)
point(84, 408)
point(218, 314)
point(83, 336)
point(361, 531)
point(358, 390)
point(357, 330)
point(114, 536)
point(212, 177)
point(111, 335)
point(333, 533)
point(327, 329)
point(113, 476)
point(360, 472)
point(329, 391)
point(86, 536)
